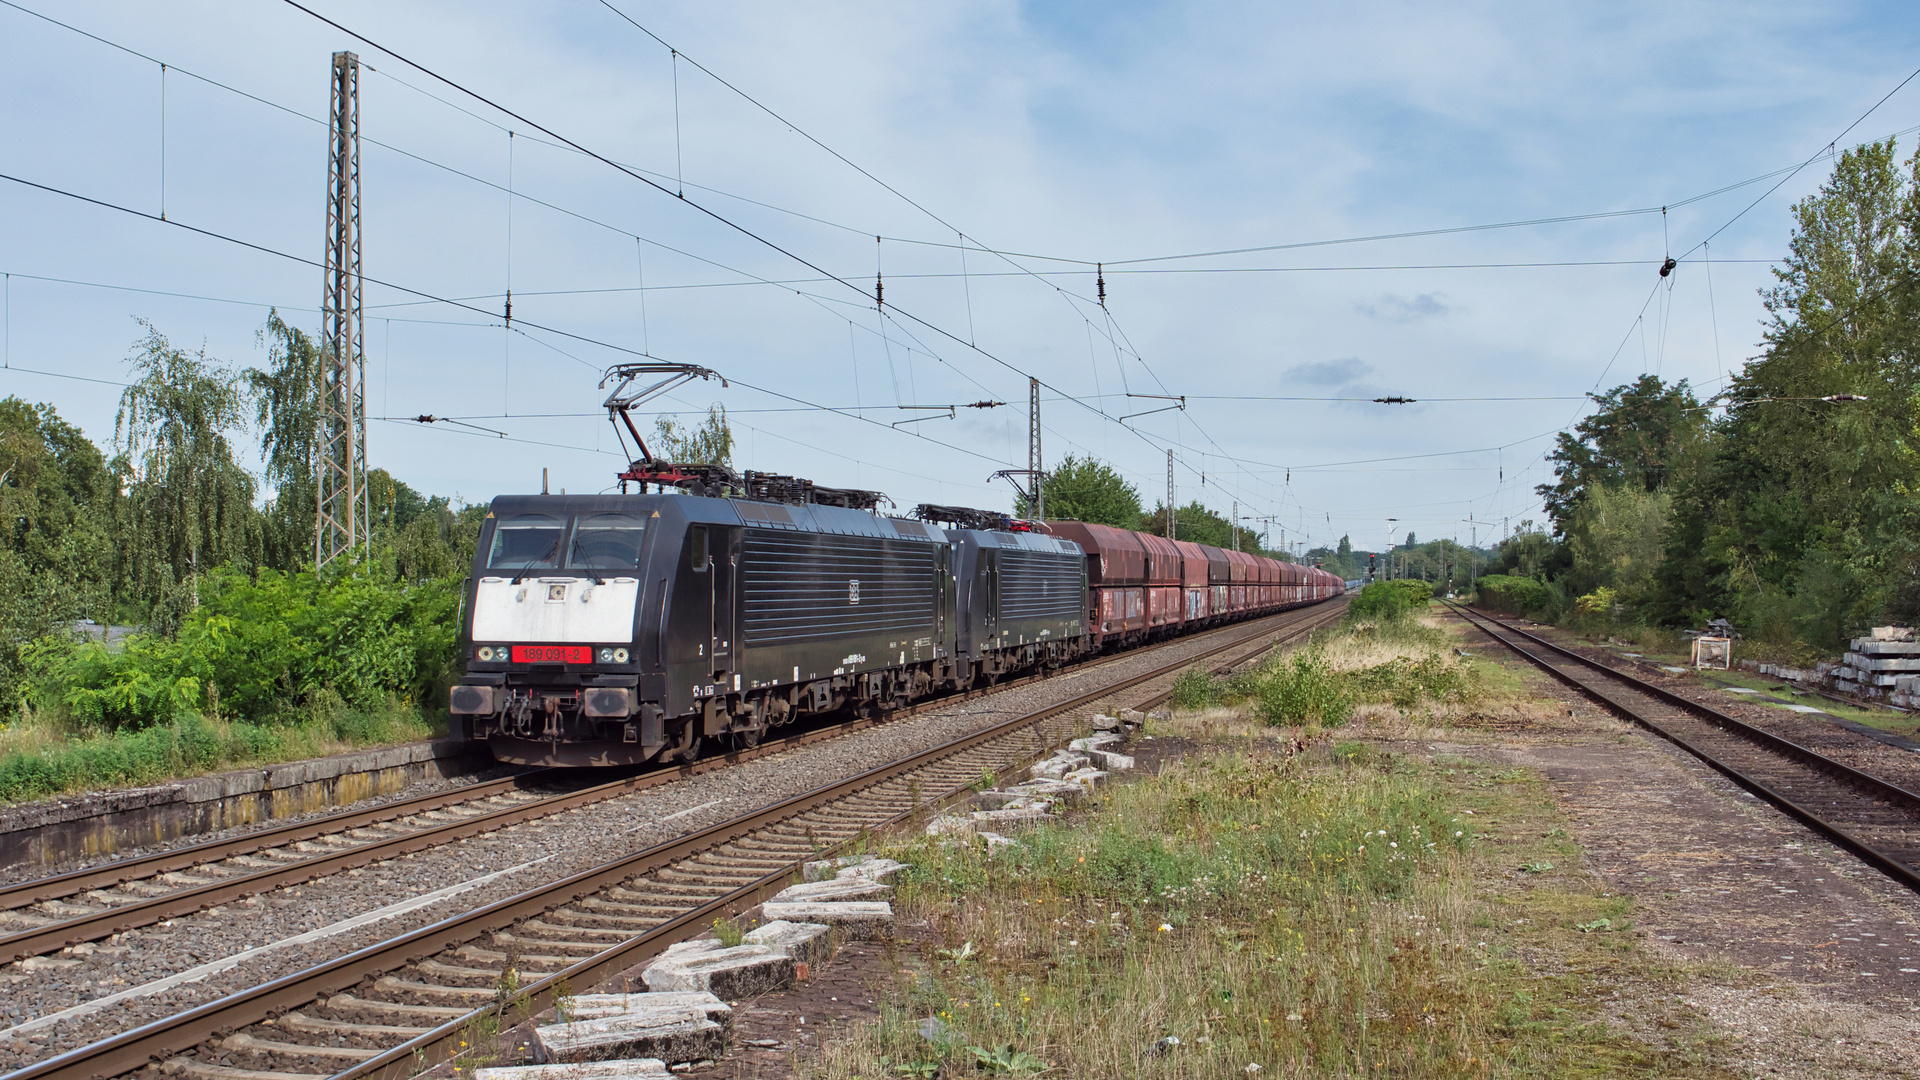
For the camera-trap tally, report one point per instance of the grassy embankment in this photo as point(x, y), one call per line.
point(1259, 909)
point(42, 755)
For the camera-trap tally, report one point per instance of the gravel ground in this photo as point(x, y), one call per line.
point(522, 857)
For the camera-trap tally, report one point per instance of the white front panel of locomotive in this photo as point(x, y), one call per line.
point(555, 609)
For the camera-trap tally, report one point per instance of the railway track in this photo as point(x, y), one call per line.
point(388, 1010)
point(48, 914)
point(1876, 820)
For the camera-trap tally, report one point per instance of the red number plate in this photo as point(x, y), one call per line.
point(553, 654)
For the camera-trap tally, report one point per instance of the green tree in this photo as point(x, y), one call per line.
point(189, 504)
point(1629, 441)
point(1800, 523)
point(1199, 524)
point(709, 443)
point(1087, 489)
point(287, 408)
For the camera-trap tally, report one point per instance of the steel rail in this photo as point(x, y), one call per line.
point(155, 1041)
point(1863, 782)
point(121, 918)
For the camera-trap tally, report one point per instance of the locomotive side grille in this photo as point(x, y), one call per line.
point(802, 586)
point(1039, 585)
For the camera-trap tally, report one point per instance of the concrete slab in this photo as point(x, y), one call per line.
point(994, 840)
point(742, 971)
point(625, 1069)
point(1110, 761)
point(867, 866)
point(803, 942)
point(949, 825)
point(1103, 722)
point(1091, 778)
point(1049, 789)
point(670, 1034)
point(1093, 742)
point(840, 888)
point(1059, 765)
point(1011, 818)
point(595, 1006)
point(859, 920)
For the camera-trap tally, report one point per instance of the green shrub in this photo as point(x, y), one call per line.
point(1301, 689)
point(1194, 689)
point(1387, 600)
point(1514, 595)
point(284, 648)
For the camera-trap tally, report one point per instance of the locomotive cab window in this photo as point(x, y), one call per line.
point(606, 542)
point(527, 542)
point(697, 547)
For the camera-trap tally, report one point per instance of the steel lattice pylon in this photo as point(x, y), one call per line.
point(342, 518)
point(1036, 475)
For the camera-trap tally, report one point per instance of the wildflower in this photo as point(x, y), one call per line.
point(1166, 926)
point(1252, 1067)
point(1457, 833)
point(1392, 844)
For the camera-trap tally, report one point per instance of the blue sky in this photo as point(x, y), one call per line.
point(1069, 133)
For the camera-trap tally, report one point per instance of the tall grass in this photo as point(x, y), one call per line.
point(1311, 918)
point(1398, 660)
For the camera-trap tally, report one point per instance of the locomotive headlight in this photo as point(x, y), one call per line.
point(606, 656)
point(485, 652)
point(619, 656)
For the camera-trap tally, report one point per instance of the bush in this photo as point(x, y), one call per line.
point(1514, 595)
point(1194, 689)
point(1301, 689)
point(285, 648)
point(1390, 599)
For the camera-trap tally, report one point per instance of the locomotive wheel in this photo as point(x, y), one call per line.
point(692, 753)
point(748, 739)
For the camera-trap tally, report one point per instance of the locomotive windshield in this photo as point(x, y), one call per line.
point(606, 542)
point(524, 542)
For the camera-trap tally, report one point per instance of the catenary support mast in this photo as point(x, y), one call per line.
point(1036, 476)
point(342, 518)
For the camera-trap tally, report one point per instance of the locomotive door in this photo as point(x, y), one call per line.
point(990, 570)
point(690, 637)
point(721, 623)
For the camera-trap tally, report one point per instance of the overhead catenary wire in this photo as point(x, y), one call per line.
point(264, 249)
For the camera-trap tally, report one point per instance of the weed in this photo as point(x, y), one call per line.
point(1195, 689)
point(729, 932)
point(1004, 1060)
point(1303, 689)
point(1536, 868)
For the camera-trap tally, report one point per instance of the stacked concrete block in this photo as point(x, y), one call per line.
point(805, 943)
point(627, 1069)
point(669, 1028)
point(742, 971)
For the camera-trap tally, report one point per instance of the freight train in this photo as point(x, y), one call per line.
point(620, 629)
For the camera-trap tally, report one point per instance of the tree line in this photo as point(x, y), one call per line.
point(1786, 503)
